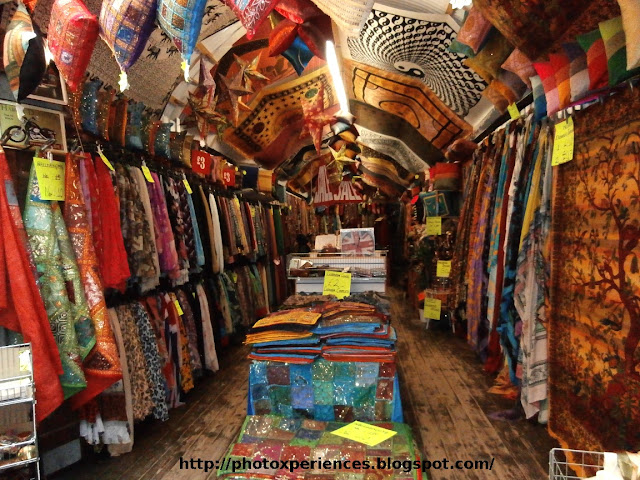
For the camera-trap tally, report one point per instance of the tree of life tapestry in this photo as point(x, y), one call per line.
point(595, 282)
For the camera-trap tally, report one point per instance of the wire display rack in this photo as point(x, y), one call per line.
point(566, 464)
point(19, 457)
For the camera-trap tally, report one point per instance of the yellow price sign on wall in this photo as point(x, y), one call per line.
point(50, 176)
point(364, 433)
point(432, 308)
point(443, 268)
point(434, 225)
point(563, 143)
point(337, 283)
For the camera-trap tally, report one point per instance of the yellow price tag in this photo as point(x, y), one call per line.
point(434, 225)
point(50, 176)
point(364, 433)
point(563, 143)
point(432, 308)
point(443, 268)
point(337, 283)
point(106, 161)
point(178, 307)
point(187, 186)
point(513, 111)
point(147, 174)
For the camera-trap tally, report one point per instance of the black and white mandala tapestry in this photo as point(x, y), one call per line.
point(419, 48)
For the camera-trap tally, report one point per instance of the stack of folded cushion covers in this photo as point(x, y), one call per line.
point(328, 360)
point(277, 439)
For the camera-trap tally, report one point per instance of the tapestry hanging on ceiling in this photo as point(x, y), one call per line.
point(270, 132)
point(407, 98)
point(532, 26)
point(417, 45)
point(595, 282)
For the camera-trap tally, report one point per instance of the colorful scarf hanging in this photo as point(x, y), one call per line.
point(59, 284)
point(21, 306)
point(102, 365)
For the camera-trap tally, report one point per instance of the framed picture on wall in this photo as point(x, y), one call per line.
point(38, 127)
point(52, 89)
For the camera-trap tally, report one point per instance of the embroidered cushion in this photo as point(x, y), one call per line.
point(181, 21)
point(616, 50)
point(495, 94)
point(487, 62)
point(298, 11)
point(134, 126)
point(520, 64)
point(125, 25)
point(251, 13)
point(89, 106)
point(593, 45)
point(578, 70)
point(72, 34)
point(472, 35)
point(631, 23)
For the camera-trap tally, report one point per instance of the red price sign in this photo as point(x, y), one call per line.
point(201, 162)
point(229, 177)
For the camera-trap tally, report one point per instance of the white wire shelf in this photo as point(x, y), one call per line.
point(565, 463)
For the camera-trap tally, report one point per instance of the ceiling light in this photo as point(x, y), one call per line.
point(457, 4)
point(334, 69)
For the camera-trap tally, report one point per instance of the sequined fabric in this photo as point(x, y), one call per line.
point(102, 364)
point(59, 284)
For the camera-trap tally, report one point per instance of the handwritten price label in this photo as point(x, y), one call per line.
point(337, 283)
point(432, 308)
point(443, 268)
point(50, 176)
point(201, 162)
point(434, 225)
point(364, 433)
point(563, 143)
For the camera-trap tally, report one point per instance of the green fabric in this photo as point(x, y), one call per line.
point(615, 46)
point(60, 285)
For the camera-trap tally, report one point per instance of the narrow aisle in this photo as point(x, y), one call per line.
point(203, 428)
point(446, 401)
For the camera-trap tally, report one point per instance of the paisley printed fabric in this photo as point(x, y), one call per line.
point(102, 364)
point(179, 228)
point(59, 284)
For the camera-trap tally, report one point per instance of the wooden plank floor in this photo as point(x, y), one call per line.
point(444, 393)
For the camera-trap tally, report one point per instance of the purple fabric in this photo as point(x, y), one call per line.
point(165, 242)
